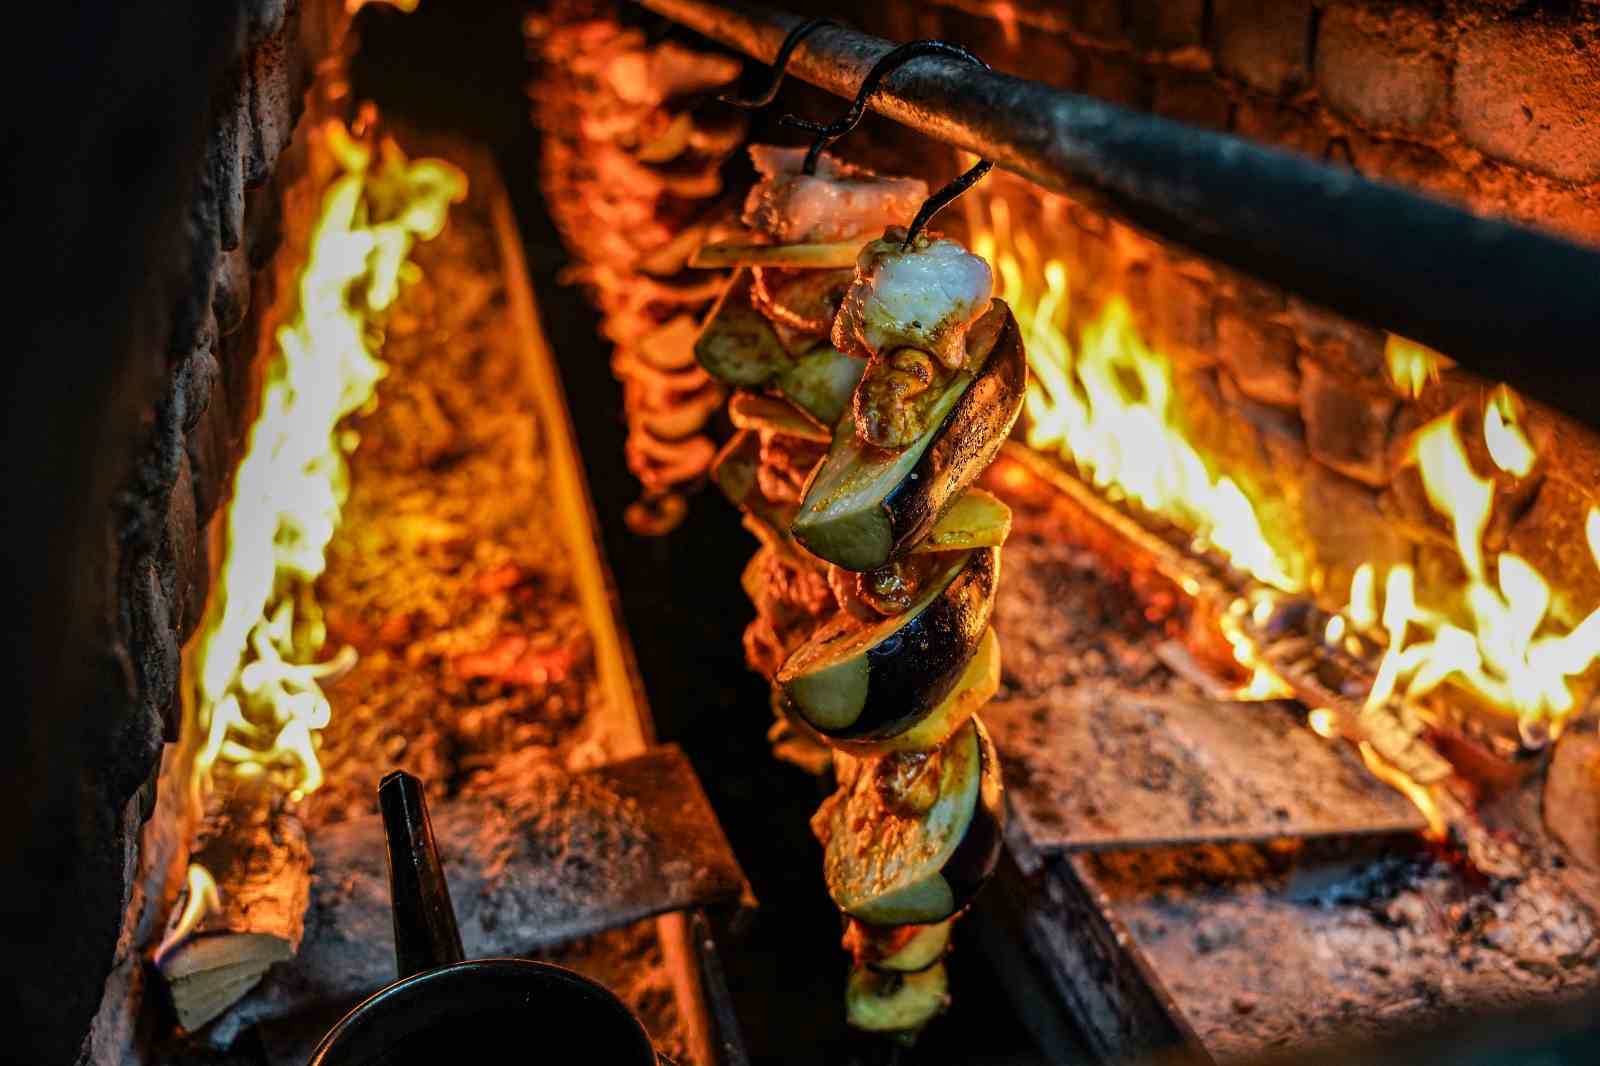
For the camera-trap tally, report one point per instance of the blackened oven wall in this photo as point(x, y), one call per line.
point(141, 141)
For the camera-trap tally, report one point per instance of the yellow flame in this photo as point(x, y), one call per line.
point(1324, 723)
point(1107, 403)
point(1397, 779)
point(1412, 367)
point(408, 6)
point(200, 898)
point(260, 703)
point(1500, 643)
point(1508, 447)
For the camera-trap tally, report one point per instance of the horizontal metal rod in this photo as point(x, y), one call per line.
point(1510, 302)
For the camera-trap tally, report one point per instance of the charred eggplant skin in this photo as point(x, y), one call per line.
point(967, 442)
point(913, 668)
point(975, 858)
point(918, 666)
point(848, 518)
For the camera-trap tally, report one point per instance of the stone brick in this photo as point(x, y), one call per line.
point(264, 20)
point(1498, 189)
point(1526, 93)
point(1419, 166)
point(1164, 25)
point(263, 225)
point(273, 109)
point(1352, 349)
point(1386, 69)
point(1263, 45)
point(1274, 424)
point(1184, 316)
point(230, 296)
point(1043, 57)
point(1261, 356)
point(1345, 527)
point(1099, 18)
point(184, 549)
point(210, 448)
point(1116, 80)
point(1279, 125)
point(1198, 99)
point(226, 167)
point(154, 645)
point(1347, 422)
point(985, 36)
point(196, 378)
point(1550, 535)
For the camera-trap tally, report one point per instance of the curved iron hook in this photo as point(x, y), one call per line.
point(827, 134)
point(942, 199)
point(780, 64)
point(892, 60)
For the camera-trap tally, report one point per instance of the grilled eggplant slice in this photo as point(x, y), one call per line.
point(737, 345)
point(751, 410)
point(734, 471)
point(865, 506)
point(977, 685)
point(821, 381)
point(911, 838)
point(895, 1003)
point(859, 681)
point(899, 948)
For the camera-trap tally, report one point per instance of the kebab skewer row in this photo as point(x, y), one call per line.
point(889, 670)
point(632, 170)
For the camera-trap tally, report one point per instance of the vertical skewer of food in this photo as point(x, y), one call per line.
point(876, 379)
point(632, 172)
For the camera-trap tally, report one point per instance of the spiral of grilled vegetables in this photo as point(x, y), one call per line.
point(874, 381)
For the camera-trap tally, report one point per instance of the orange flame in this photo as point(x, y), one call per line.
point(200, 898)
point(260, 702)
point(1500, 644)
point(1107, 403)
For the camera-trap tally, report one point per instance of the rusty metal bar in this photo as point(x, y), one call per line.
point(1507, 301)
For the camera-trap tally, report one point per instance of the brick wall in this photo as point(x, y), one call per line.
point(1493, 104)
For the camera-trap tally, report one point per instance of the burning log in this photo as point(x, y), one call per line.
point(244, 906)
point(539, 859)
point(1223, 636)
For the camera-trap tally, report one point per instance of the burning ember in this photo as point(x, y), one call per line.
point(259, 674)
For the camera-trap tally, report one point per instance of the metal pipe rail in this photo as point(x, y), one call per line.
point(1510, 302)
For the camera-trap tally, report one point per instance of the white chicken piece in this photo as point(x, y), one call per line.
point(924, 297)
point(836, 203)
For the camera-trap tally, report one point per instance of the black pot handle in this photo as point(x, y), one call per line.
point(425, 933)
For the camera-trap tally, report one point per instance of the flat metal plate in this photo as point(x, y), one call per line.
point(1105, 747)
point(1097, 766)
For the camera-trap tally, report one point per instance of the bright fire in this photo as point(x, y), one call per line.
point(1496, 640)
point(1105, 401)
point(1102, 398)
point(260, 703)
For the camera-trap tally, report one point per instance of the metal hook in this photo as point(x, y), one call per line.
point(941, 199)
point(827, 134)
point(780, 64)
